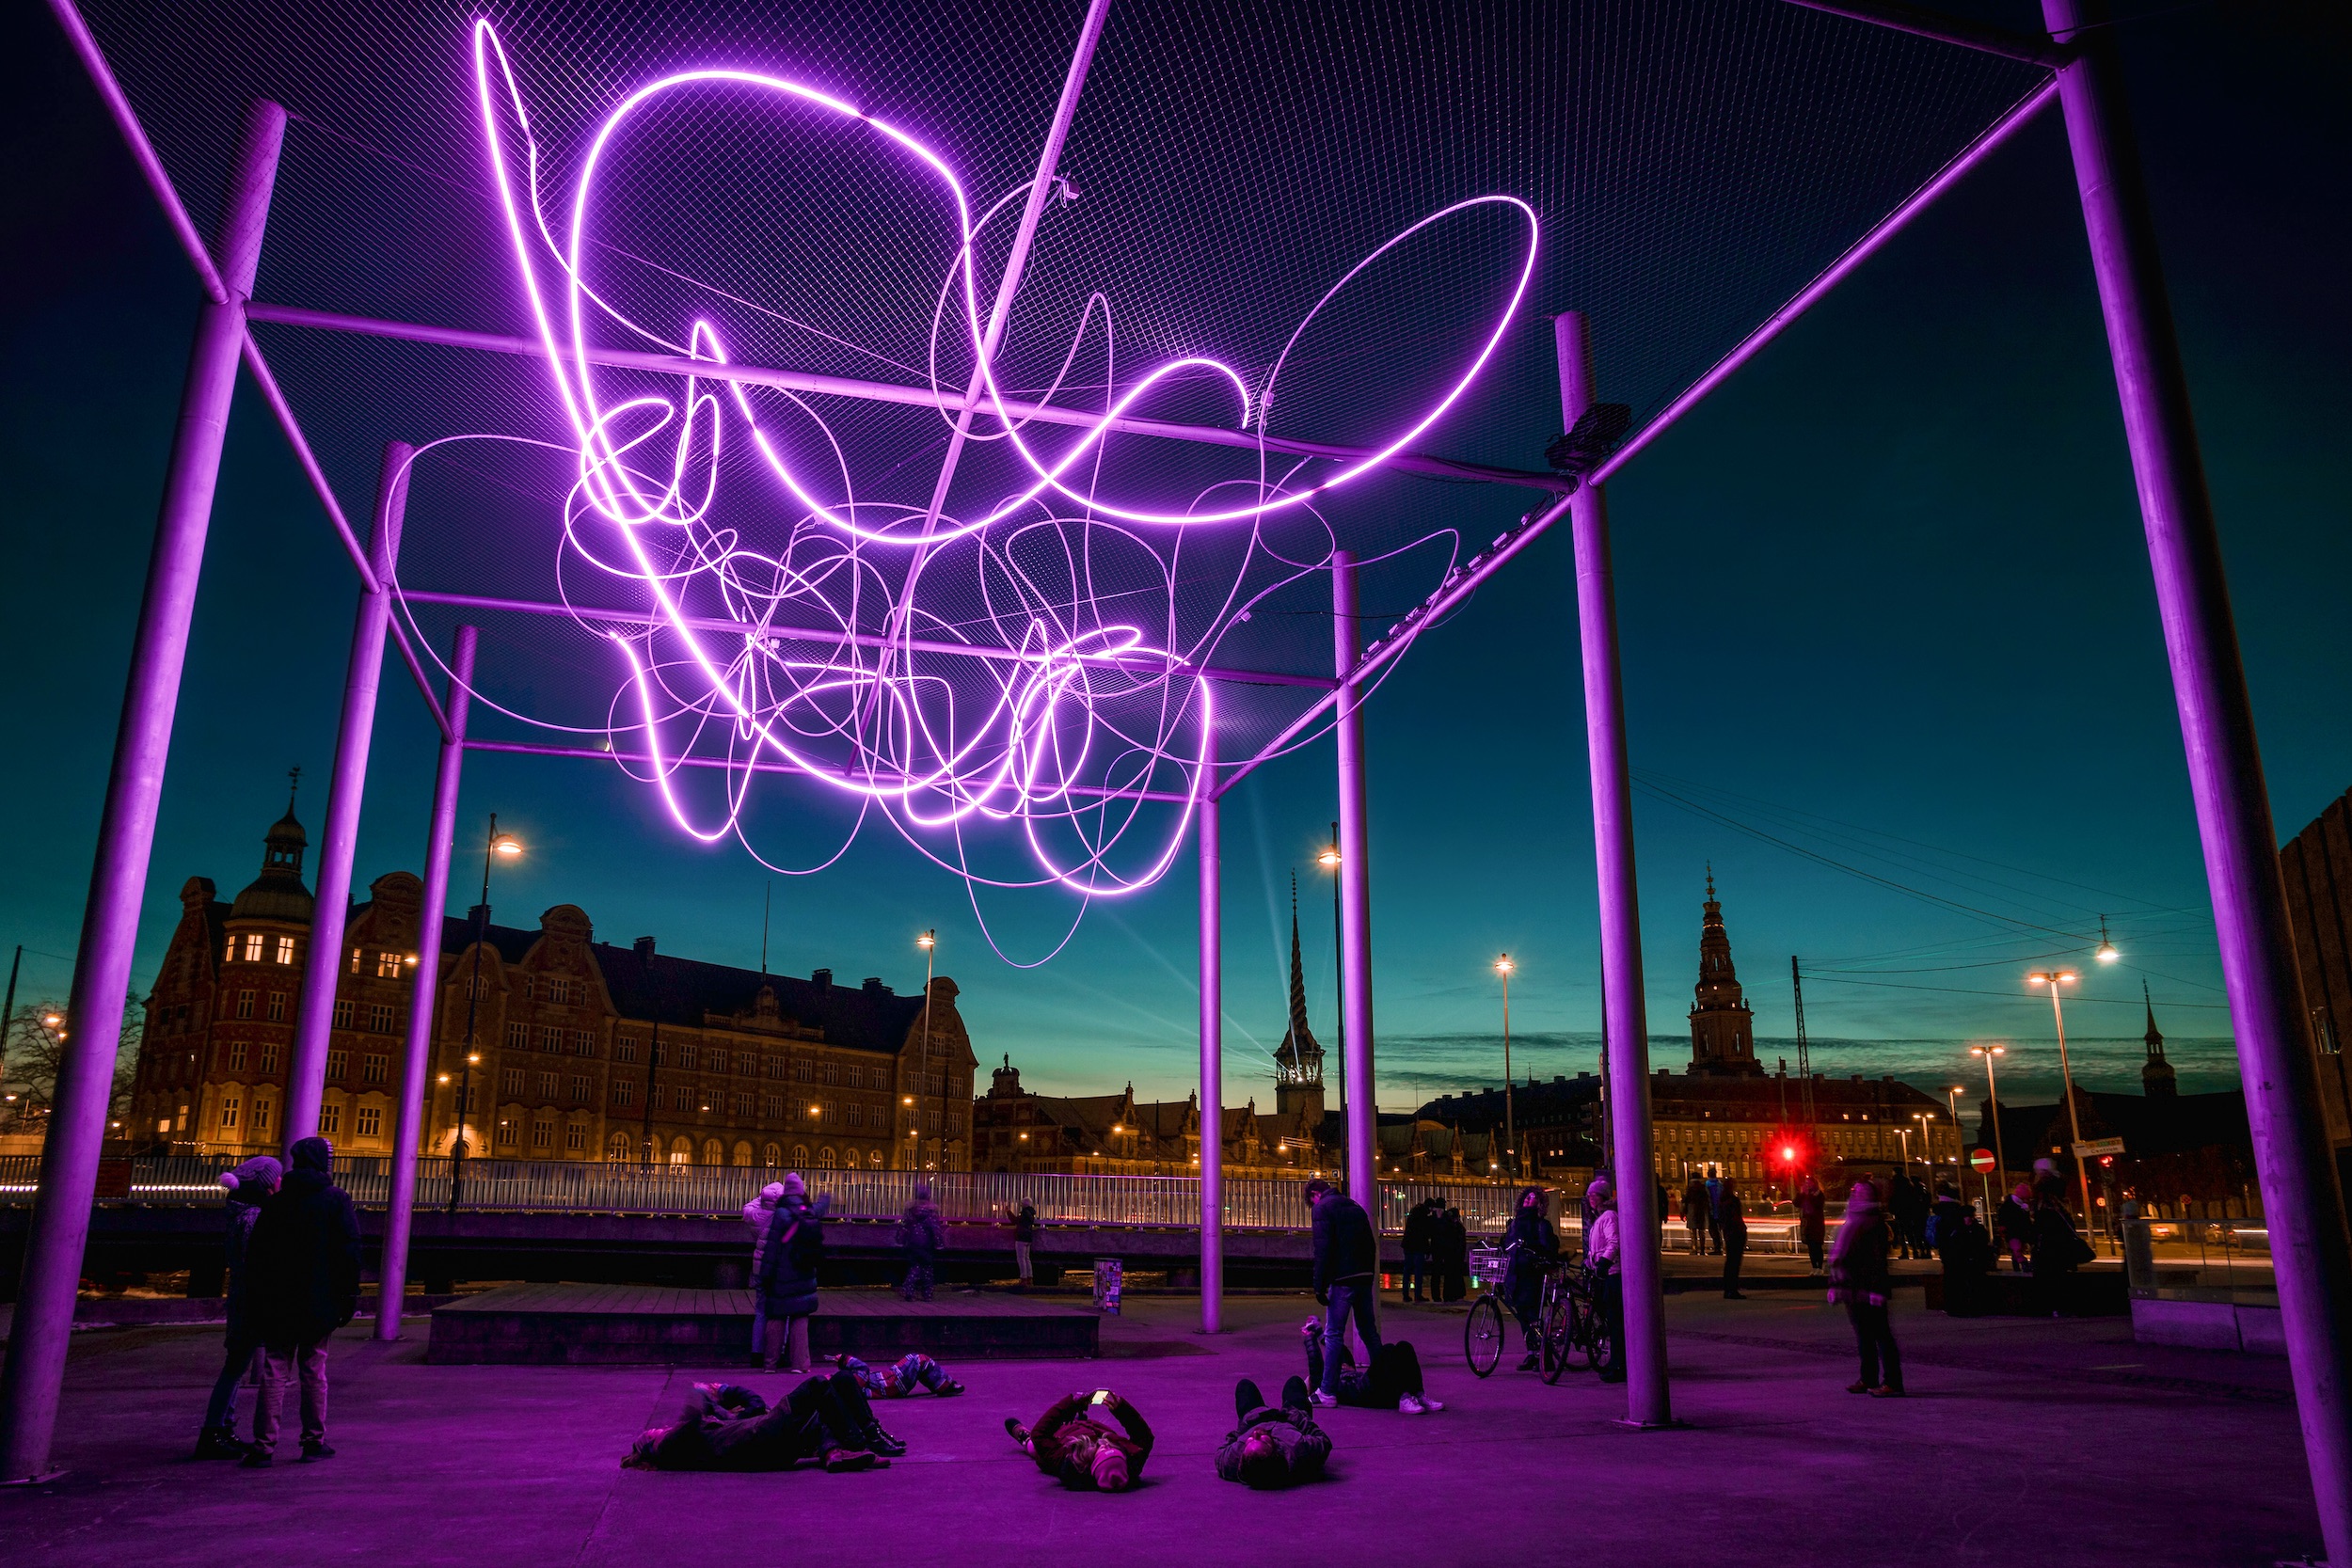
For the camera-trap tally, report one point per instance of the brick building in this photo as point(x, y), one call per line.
point(587, 1051)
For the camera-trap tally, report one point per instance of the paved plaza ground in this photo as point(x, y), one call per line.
point(2023, 1441)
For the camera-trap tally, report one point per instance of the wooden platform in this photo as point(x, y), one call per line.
point(652, 1325)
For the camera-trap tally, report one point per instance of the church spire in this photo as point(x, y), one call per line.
point(1722, 1027)
point(2156, 1076)
point(1300, 1058)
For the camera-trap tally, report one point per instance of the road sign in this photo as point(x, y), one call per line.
point(2093, 1147)
point(1981, 1159)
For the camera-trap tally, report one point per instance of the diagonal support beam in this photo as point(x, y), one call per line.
point(1919, 21)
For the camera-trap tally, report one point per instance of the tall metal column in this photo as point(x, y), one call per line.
point(126, 829)
point(305, 1084)
point(1626, 1011)
point(1363, 1155)
point(424, 1002)
point(1211, 1064)
point(2302, 1202)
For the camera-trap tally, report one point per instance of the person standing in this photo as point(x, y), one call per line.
point(1967, 1252)
point(1600, 1256)
point(1023, 1222)
point(922, 1234)
point(1347, 1260)
point(2013, 1223)
point(1731, 1220)
point(1907, 1213)
point(250, 1185)
point(1714, 1216)
point(756, 1213)
point(1860, 1282)
point(1812, 1218)
point(1418, 1224)
point(1695, 1213)
point(304, 1259)
point(1534, 1247)
point(1452, 1259)
point(2059, 1249)
point(787, 1274)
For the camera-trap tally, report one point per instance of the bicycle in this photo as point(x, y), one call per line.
point(1483, 1334)
point(1570, 1321)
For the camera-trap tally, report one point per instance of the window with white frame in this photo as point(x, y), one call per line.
point(343, 1010)
point(228, 1108)
point(276, 1008)
point(330, 1118)
point(372, 1068)
point(245, 1004)
point(253, 947)
point(370, 1121)
point(269, 1056)
point(285, 950)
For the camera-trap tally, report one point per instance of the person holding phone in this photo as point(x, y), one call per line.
point(1075, 1443)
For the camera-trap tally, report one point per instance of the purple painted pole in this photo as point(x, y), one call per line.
point(2300, 1200)
point(126, 829)
point(305, 1084)
point(1211, 1065)
point(1364, 1156)
point(1625, 1011)
point(417, 1057)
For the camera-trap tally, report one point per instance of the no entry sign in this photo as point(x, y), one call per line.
point(1981, 1159)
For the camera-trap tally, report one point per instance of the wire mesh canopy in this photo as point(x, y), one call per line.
point(737, 438)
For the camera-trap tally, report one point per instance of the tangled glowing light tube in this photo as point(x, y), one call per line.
point(823, 658)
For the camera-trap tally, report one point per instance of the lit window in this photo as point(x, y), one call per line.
point(253, 947)
point(285, 950)
point(774, 1155)
point(799, 1155)
point(355, 961)
point(506, 1132)
point(370, 1122)
point(826, 1158)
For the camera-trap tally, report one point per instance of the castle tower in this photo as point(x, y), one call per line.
point(1722, 1027)
point(1299, 1061)
point(2156, 1077)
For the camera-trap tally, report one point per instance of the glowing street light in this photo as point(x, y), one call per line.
point(2106, 953)
point(1993, 1109)
point(2055, 979)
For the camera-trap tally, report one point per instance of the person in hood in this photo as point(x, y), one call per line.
point(1860, 1281)
point(1273, 1445)
point(303, 1266)
point(1534, 1248)
point(922, 1235)
point(786, 1277)
point(725, 1427)
point(755, 1215)
point(1075, 1442)
point(248, 1185)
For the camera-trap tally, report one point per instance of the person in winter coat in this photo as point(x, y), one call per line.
point(1073, 1442)
point(1453, 1256)
point(1347, 1263)
point(1731, 1223)
point(1813, 1219)
point(1967, 1252)
point(787, 1273)
point(725, 1427)
point(921, 1236)
point(1272, 1446)
point(1023, 1222)
point(1907, 1213)
point(1604, 1248)
point(1419, 1242)
point(1714, 1187)
point(1393, 1381)
point(756, 1214)
point(1534, 1247)
point(303, 1267)
point(1859, 1280)
point(1695, 1212)
point(2059, 1249)
point(248, 1186)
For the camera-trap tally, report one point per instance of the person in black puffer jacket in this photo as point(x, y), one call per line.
point(1534, 1247)
point(788, 1271)
point(303, 1284)
point(250, 1185)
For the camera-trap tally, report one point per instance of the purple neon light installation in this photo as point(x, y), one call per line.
point(1094, 711)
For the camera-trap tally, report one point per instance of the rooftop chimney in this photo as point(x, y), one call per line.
point(822, 979)
point(874, 986)
point(644, 950)
point(478, 916)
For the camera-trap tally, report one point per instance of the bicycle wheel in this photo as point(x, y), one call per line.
point(1482, 1336)
point(1554, 1334)
point(1595, 1336)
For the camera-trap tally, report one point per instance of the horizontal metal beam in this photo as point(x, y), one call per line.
point(824, 635)
point(1921, 23)
point(1399, 635)
point(593, 754)
point(883, 392)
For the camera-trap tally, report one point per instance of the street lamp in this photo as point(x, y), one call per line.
point(1510, 1129)
point(1951, 1096)
point(2055, 978)
point(929, 943)
point(1328, 858)
point(1926, 1143)
point(2106, 953)
point(495, 846)
point(1993, 1112)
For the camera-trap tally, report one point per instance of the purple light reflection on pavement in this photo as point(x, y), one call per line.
point(1062, 725)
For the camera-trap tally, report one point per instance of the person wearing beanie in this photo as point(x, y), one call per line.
point(1601, 1248)
point(304, 1261)
point(756, 1215)
point(1075, 1442)
point(248, 1185)
point(1859, 1280)
point(786, 1275)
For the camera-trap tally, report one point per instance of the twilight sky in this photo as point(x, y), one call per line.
point(1893, 665)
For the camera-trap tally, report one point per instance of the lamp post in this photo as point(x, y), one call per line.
point(1993, 1111)
point(1510, 1127)
point(2055, 978)
point(494, 844)
point(1927, 1146)
point(1951, 1096)
point(929, 943)
point(1330, 861)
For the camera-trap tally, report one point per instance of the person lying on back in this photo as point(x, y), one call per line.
point(1073, 1443)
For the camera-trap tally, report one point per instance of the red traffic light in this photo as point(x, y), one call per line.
point(1789, 1153)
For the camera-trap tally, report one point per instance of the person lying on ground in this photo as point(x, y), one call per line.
point(911, 1373)
point(1391, 1383)
point(726, 1427)
point(1274, 1446)
point(1075, 1444)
